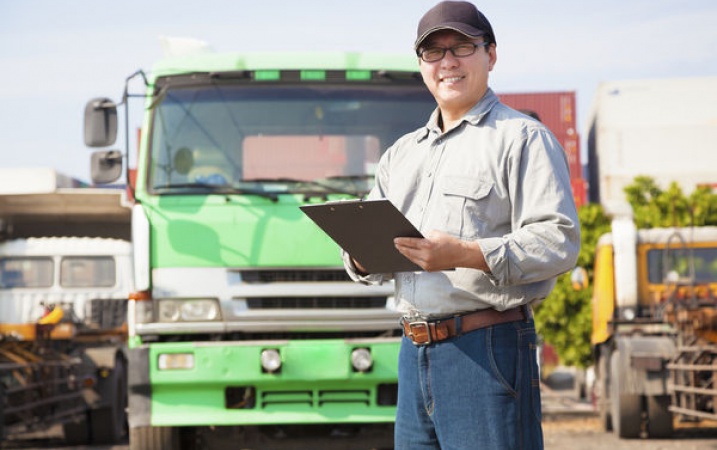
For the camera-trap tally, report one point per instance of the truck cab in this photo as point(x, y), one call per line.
point(89, 279)
point(243, 316)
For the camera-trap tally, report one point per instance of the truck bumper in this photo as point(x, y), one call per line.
point(223, 383)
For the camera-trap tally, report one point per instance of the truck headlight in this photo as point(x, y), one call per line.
point(629, 314)
point(361, 359)
point(189, 310)
point(270, 360)
point(142, 311)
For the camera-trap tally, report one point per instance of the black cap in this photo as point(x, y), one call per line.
point(462, 17)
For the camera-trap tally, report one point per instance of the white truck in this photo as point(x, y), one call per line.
point(65, 276)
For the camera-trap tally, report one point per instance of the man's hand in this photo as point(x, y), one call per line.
point(441, 251)
point(359, 267)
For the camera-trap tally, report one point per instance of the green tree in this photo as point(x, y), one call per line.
point(564, 319)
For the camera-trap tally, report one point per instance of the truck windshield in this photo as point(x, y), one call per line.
point(87, 271)
point(266, 138)
point(681, 263)
point(34, 272)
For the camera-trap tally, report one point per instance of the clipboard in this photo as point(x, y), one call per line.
point(365, 229)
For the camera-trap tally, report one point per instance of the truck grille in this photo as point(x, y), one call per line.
point(316, 302)
point(108, 313)
point(291, 275)
point(245, 397)
point(315, 399)
point(304, 302)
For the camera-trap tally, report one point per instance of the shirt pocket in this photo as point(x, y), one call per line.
point(466, 206)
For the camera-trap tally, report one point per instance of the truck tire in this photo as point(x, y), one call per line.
point(659, 418)
point(154, 438)
point(626, 408)
point(109, 423)
point(77, 433)
point(603, 391)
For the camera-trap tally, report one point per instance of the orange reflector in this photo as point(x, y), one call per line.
point(140, 296)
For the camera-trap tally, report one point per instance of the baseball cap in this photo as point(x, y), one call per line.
point(462, 17)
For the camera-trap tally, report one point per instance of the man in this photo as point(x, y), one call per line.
point(489, 187)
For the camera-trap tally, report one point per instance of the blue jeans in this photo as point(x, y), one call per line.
point(476, 391)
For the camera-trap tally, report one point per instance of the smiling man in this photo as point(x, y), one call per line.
point(489, 187)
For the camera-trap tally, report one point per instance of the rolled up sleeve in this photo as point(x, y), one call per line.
point(545, 237)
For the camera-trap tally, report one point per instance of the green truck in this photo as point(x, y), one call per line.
point(243, 320)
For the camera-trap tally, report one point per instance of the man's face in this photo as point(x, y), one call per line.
point(457, 83)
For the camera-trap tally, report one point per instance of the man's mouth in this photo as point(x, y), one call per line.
point(450, 80)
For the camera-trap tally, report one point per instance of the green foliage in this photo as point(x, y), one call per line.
point(654, 207)
point(564, 319)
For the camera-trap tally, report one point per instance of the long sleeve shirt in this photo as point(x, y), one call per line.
point(499, 178)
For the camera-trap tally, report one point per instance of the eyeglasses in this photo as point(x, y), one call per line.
point(433, 54)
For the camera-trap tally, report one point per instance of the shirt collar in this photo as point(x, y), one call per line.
point(473, 116)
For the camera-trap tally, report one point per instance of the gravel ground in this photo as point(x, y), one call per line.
point(563, 432)
point(585, 433)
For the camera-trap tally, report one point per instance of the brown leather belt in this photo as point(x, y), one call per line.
point(423, 332)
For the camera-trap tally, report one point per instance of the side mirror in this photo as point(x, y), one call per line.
point(100, 122)
point(105, 166)
point(579, 278)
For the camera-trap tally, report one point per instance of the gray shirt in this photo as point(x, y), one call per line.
point(499, 178)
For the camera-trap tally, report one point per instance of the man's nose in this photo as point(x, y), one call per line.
point(449, 59)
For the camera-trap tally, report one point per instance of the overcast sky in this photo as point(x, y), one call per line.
point(56, 55)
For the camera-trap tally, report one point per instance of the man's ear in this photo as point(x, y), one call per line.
point(493, 56)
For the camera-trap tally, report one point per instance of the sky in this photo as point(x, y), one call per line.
point(57, 55)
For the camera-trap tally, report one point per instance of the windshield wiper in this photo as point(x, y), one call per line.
point(361, 184)
point(219, 189)
point(363, 176)
point(326, 189)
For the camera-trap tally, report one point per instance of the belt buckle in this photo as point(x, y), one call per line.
point(426, 332)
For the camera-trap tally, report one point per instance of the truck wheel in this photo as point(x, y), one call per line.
point(626, 408)
point(603, 392)
point(77, 433)
point(659, 417)
point(109, 424)
point(154, 438)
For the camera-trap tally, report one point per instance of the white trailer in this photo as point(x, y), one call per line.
point(662, 128)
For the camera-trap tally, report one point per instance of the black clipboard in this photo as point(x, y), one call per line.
point(365, 229)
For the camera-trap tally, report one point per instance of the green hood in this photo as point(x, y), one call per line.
point(236, 231)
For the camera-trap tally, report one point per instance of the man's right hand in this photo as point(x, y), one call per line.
point(359, 267)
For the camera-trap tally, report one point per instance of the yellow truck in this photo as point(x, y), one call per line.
point(654, 334)
point(655, 328)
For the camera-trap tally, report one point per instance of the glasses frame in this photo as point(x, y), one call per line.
point(452, 49)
